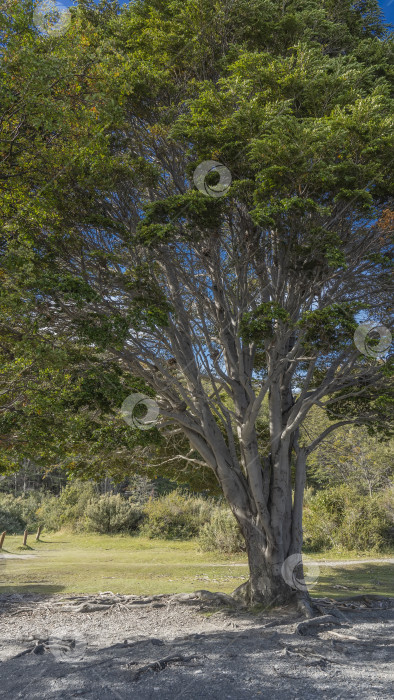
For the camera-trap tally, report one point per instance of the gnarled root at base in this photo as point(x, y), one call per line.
point(305, 605)
point(245, 595)
point(316, 624)
point(242, 594)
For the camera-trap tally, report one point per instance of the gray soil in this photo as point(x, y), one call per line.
point(172, 648)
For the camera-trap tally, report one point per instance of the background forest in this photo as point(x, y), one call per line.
point(348, 505)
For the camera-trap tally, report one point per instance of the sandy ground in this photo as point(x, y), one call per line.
point(172, 650)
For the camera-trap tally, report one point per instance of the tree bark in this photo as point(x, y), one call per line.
point(266, 584)
point(274, 543)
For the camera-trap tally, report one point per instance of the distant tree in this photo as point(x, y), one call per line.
point(351, 456)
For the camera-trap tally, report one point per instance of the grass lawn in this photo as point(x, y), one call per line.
point(66, 563)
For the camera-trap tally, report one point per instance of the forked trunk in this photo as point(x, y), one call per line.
point(276, 575)
point(267, 582)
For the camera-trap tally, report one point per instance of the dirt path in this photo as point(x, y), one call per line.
point(351, 562)
point(325, 562)
point(4, 555)
point(187, 651)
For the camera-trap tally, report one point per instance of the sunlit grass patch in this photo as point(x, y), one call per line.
point(68, 564)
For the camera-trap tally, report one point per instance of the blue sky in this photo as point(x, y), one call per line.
point(388, 9)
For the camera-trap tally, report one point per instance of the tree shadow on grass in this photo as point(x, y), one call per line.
point(41, 541)
point(39, 589)
point(358, 579)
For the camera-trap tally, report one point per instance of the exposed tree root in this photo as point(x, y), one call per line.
point(310, 657)
point(337, 635)
point(215, 598)
point(315, 624)
point(246, 597)
point(161, 664)
point(106, 601)
point(43, 646)
point(305, 605)
point(321, 612)
point(242, 595)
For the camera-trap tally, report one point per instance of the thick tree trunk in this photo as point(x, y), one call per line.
point(274, 543)
point(273, 579)
point(267, 584)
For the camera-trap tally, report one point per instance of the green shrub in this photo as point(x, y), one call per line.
point(222, 533)
point(68, 509)
point(9, 523)
point(10, 519)
point(323, 512)
point(28, 506)
point(365, 525)
point(175, 516)
point(387, 501)
point(49, 512)
point(319, 529)
point(20, 513)
point(343, 518)
point(111, 514)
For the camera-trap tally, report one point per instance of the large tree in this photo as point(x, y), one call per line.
point(218, 302)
